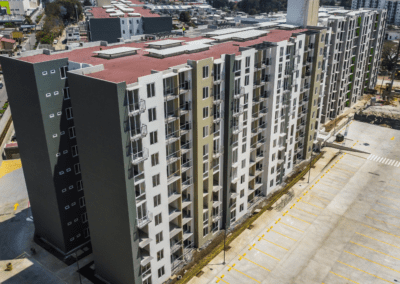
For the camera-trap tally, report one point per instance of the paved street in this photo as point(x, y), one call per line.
point(345, 228)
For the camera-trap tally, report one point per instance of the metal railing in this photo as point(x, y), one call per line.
point(218, 115)
point(170, 136)
point(218, 96)
point(140, 156)
point(170, 115)
point(187, 146)
point(139, 132)
point(171, 93)
point(237, 128)
point(172, 157)
point(138, 107)
point(185, 106)
point(143, 221)
point(185, 86)
point(238, 110)
point(186, 126)
point(187, 182)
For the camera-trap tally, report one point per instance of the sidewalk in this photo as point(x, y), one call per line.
point(216, 266)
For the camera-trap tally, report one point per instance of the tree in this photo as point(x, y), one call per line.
point(87, 3)
point(184, 16)
point(389, 52)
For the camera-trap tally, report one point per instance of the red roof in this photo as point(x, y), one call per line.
point(10, 145)
point(100, 13)
point(7, 40)
point(130, 68)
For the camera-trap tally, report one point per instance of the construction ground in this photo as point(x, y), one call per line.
point(342, 227)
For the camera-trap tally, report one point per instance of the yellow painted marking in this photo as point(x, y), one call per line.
point(284, 235)
point(265, 253)
point(299, 219)
point(377, 240)
point(292, 227)
point(392, 191)
point(376, 276)
point(312, 204)
point(273, 243)
point(383, 222)
point(16, 206)
point(221, 280)
point(374, 250)
point(392, 138)
point(306, 211)
point(393, 185)
point(380, 230)
point(388, 198)
point(324, 199)
point(343, 277)
point(330, 186)
point(372, 261)
point(385, 213)
point(9, 166)
point(388, 206)
point(255, 263)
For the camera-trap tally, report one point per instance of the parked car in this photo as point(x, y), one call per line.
point(14, 138)
point(55, 41)
point(1, 85)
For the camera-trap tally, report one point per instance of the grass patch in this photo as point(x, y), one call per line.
point(202, 258)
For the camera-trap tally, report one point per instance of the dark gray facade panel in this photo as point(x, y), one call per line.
point(156, 25)
point(108, 29)
point(27, 115)
point(110, 197)
point(228, 123)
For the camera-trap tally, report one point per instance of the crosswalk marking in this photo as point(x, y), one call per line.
point(383, 160)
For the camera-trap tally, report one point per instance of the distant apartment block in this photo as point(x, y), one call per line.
point(392, 7)
point(179, 139)
point(118, 22)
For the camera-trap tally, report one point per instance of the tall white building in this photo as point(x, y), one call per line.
point(392, 7)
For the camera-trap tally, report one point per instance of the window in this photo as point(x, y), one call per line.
point(77, 168)
point(205, 167)
point(44, 73)
point(152, 114)
point(61, 173)
point(158, 219)
point(82, 202)
point(241, 193)
point(79, 185)
point(156, 180)
point(160, 255)
point(66, 207)
point(58, 154)
point(58, 113)
point(161, 272)
point(54, 135)
point(205, 72)
point(154, 160)
point(271, 182)
point(71, 132)
point(62, 132)
point(275, 128)
point(84, 217)
point(66, 93)
point(205, 131)
point(68, 113)
point(68, 170)
point(248, 61)
point(247, 80)
point(150, 90)
point(273, 157)
point(153, 137)
point(74, 150)
point(243, 163)
point(86, 233)
point(205, 152)
point(242, 179)
point(241, 207)
point(205, 231)
point(159, 237)
point(63, 72)
point(157, 200)
point(205, 93)
point(205, 112)
point(244, 148)
point(272, 170)
point(48, 95)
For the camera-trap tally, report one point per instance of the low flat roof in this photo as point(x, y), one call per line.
point(117, 50)
point(122, 69)
point(165, 42)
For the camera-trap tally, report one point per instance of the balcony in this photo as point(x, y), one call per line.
point(186, 202)
point(140, 156)
point(172, 137)
point(184, 87)
point(145, 257)
point(144, 239)
point(218, 116)
point(217, 217)
point(185, 127)
point(238, 110)
point(185, 107)
point(175, 246)
point(239, 93)
point(173, 213)
point(186, 183)
point(144, 220)
point(171, 116)
point(310, 46)
point(218, 98)
point(218, 151)
point(237, 128)
point(172, 177)
point(171, 94)
point(173, 195)
point(186, 165)
point(139, 132)
point(137, 108)
point(186, 147)
point(174, 230)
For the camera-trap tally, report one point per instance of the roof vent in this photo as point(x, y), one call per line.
point(116, 52)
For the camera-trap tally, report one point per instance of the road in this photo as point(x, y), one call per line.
point(344, 228)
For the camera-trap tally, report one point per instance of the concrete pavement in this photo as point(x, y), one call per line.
point(342, 228)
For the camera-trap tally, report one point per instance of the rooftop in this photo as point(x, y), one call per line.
point(100, 12)
point(122, 69)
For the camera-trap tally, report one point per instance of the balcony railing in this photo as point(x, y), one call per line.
point(171, 93)
point(238, 110)
point(140, 156)
point(218, 151)
point(136, 108)
point(173, 157)
point(185, 106)
point(186, 183)
point(218, 97)
point(185, 127)
point(139, 132)
point(172, 137)
point(171, 115)
point(186, 146)
point(144, 220)
point(239, 93)
point(184, 87)
point(237, 128)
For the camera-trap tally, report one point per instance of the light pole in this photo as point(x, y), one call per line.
point(224, 245)
point(309, 171)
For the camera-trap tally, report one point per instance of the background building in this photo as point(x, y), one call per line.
point(392, 7)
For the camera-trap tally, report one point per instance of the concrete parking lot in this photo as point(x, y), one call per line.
point(345, 228)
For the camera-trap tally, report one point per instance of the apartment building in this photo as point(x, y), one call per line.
point(354, 57)
point(391, 6)
point(43, 120)
point(179, 139)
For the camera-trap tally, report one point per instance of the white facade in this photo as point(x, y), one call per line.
point(22, 7)
point(131, 27)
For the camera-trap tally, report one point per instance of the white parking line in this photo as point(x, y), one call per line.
point(392, 163)
point(380, 160)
